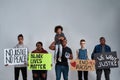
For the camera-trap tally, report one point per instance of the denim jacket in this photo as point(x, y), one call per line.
point(98, 49)
point(82, 54)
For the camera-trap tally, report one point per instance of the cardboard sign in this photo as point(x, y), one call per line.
point(82, 65)
point(106, 60)
point(40, 61)
point(15, 56)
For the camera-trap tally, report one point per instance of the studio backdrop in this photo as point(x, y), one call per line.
point(81, 19)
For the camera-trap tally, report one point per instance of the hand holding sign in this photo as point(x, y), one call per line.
point(6, 64)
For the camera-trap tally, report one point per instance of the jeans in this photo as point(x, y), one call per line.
point(58, 47)
point(61, 69)
point(23, 70)
point(80, 75)
point(106, 73)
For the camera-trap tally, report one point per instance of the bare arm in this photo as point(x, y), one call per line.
point(62, 37)
point(71, 57)
point(52, 46)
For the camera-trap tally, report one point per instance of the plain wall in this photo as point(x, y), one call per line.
point(81, 19)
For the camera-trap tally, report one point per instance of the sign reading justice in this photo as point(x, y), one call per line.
point(82, 65)
point(40, 61)
point(106, 60)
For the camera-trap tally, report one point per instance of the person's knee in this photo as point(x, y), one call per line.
point(44, 75)
point(35, 75)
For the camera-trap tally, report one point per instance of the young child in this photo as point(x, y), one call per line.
point(82, 55)
point(59, 37)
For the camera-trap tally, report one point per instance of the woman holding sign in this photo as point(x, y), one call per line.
point(82, 55)
point(39, 74)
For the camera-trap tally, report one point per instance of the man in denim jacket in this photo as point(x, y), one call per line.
point(101, 48)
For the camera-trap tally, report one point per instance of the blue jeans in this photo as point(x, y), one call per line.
point(61, 69)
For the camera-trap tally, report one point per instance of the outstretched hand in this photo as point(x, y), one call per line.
point(6, 64)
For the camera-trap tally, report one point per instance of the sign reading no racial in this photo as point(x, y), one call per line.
point(39, 61)
point(82, 65)
point(15, 56)
point(106, 60)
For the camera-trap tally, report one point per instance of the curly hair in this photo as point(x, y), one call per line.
point(58, 27)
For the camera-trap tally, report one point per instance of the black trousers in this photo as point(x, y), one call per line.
point(80, 75)
point(23, 70)
point(38, 74)
point(106, 73)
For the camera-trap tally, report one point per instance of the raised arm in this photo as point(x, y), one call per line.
point(52, 46)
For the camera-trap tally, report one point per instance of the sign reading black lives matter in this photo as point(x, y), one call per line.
point(15, 56)
point(106, 60)
point(40, 61)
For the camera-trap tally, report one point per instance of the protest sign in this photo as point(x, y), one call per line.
point(82, 65)
point(40, 61)
point(106, 60)
point(15, 56)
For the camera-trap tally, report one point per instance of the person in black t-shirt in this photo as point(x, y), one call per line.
point(62, 67)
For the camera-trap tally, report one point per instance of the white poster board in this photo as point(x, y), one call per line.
point(15, 56)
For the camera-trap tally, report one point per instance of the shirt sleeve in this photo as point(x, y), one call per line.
point(94, 51)
point(109, 49)
point(56, 38)
point(88, 54)
point(77, 51)
point(63, 35)
point(70, 51)
point(15, 46)
point(46, 51)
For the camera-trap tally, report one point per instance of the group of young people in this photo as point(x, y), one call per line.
point(61, 55)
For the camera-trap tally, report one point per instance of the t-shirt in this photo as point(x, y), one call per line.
point(21, 46)
point(64, 60)
point(103, 49)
